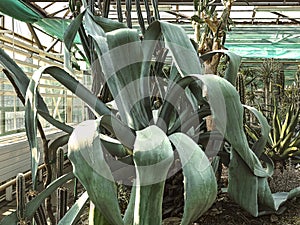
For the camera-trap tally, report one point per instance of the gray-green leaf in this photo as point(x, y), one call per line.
point(86, 154)
point(200, 185)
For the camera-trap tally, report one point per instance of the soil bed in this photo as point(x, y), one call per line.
point(226, 212)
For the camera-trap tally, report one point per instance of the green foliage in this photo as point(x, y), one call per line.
point(284, 139)
point(74, 212)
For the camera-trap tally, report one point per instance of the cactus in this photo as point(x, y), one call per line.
point(279, 85)
point(59, 162)
point(240, 86)
point(62, 192)
point(62, 201)
point(20, 195)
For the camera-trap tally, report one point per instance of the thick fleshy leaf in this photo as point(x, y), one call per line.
point(86, 155)
point(233, 66)
point(200, 185)
point(108, 25)
point(247, 178)
point(247, 184)
point(171, 99)
point(91, 27)
point(72, 30)
point(153, 156)
point(95, 216)
point(60, 125)
point(180, 47)
point(31, 105)
point(20, 82)
point(19, 77)
point(129, 213)
point(120, 56)
point(125, 79)
point(31, 124)
point(244, 186)
point(77, 88)
point(75, 211)
point(227, 112)
point(122, 132)
point(276, 125)
point(185, 59)
point(258, 147)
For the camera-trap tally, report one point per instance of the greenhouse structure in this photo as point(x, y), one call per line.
point(161, 112)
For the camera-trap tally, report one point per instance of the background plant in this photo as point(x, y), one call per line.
point(284, 138)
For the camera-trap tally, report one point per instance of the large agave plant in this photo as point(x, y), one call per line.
point(154, 124)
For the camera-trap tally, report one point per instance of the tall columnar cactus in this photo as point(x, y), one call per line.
point(240, 86)
point(21, 198)
point(62, 192)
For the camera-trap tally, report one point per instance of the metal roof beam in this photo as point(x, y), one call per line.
point(35, 37)
point(238, 2)
point(284, 16)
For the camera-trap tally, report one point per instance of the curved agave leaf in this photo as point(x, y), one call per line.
point(95, 216)
point(31, 107)
point(233, 67)
point(276, 124)
point(180, 47)
point(108, 25)
point(252, 192)
point(171, 98)
point(199, 179)
point(20, 81)
point(125, 80)
point(129, 213)
point(86, 154)
point(227, 111)
point(244, 167)
point(121, 57)
point(258, 147)
point(153, 156)
point(41, 106)
point(247, 178)
point(75, 211)
point(248, 184)
point(109, 121)
point(119, 129)
point(20, 78)
point(31, 124)
point(76, 87)
point(72, 30)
